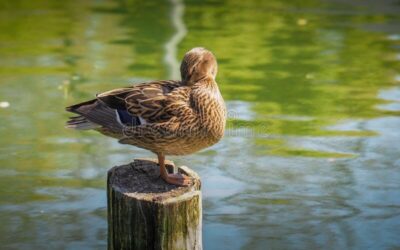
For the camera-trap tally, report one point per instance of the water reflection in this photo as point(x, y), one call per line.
point(171, 56)
point(309, 159)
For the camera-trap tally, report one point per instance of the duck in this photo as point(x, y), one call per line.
point(166, 117)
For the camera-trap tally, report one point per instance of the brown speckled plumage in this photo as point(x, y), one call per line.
point(167, 117)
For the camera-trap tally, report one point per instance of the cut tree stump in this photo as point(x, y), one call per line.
point(144, 212)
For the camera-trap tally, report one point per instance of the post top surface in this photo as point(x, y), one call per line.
point(141, 179)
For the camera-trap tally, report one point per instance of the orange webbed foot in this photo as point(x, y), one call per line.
point(175, 179)
point(178, 179)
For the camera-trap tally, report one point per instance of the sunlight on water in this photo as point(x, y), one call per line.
point(311, 153)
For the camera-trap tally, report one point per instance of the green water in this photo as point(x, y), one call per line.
point(311, 157)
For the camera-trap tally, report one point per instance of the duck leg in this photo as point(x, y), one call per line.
point(176, 179)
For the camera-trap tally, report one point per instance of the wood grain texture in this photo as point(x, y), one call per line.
point(144, 212)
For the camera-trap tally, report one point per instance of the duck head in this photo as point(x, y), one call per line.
point(198, 64)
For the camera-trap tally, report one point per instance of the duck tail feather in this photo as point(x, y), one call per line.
point(81, 123)
point(96, 112)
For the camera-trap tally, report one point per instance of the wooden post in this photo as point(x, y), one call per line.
point(144, 212)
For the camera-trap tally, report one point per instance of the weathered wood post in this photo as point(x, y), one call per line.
point(144, 212)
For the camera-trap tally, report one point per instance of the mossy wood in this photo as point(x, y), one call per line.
point(144, 212)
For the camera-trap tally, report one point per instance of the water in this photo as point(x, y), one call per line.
point(311, 156)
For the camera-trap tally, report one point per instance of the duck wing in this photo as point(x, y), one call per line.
point(148, 101)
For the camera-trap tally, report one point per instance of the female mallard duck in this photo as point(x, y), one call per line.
point(165, 117)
